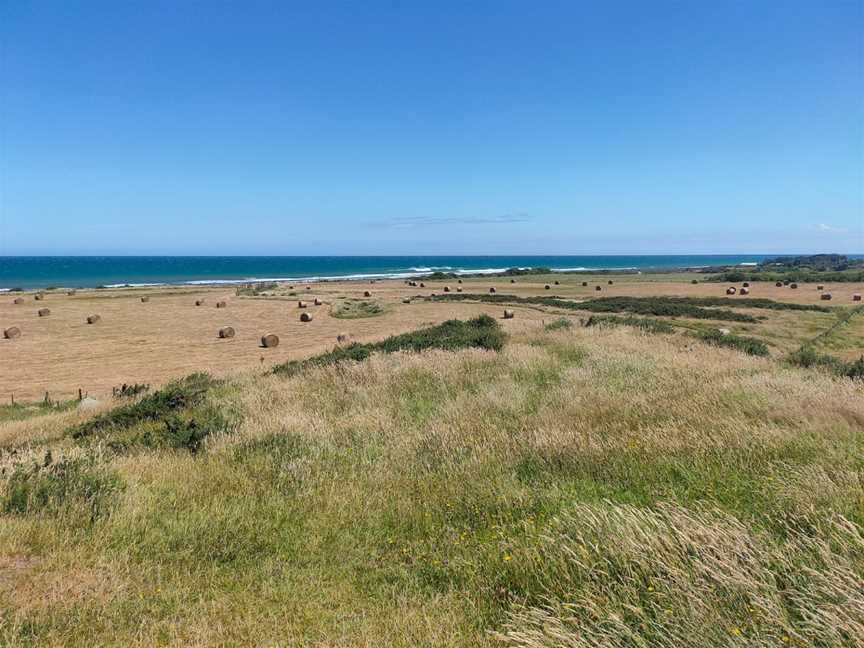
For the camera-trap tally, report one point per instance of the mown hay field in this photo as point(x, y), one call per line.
point(169, 336)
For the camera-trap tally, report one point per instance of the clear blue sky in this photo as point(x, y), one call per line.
point(463, 127)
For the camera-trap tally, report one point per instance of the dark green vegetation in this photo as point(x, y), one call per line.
point(801, 269)
point(813, 262)
point(129, 390)
point(481, 332)
point(748, 345)
point(656, 306)
point(356, 309)
point(808, 357)
point(644, 323)
point(177, 416)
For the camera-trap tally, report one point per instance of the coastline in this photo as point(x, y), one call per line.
point(42, 273)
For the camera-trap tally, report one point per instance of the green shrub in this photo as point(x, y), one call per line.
point(748, 345)
point(177, 395)
point(481, 332)
point(809, 358)
point(176, 417)
point(656, 306)
point(130, 390)
point(644, 323)
point(854, 369)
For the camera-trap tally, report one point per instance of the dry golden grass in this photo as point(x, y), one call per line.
point(583, 487)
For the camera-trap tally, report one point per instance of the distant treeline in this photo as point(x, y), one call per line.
point(797, 275)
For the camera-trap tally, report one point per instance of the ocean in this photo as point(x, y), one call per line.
point(111, 271)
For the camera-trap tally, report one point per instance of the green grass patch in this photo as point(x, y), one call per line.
point(644, 323)
point(72, 484)
point(559, 324)
point(748, 345)
point(356, 309)
point(21, 411)
point(481, 332)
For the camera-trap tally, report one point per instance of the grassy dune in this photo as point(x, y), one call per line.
point(583, 486)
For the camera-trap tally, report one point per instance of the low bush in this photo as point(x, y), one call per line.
point(748, 345)
point(656, 306)
point(644, 323)
point(129, 390)
point(481, 332)
point(177, 417)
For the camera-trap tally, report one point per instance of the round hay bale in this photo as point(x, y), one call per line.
point(422, 285)
point(856, 297)
point(11, 333)
point(269, 341)
point(793, 286)
point(305, 317)
point(458, 288)
point(343, 337)
point(610, 282)
point(44, 312)
point(290, 287)
point(446, 288)
point(459, 280)
point(492, 289)
point(199, 302)
point(746, 284)
point(779, 284)
point(221, 304)
point(92, 319)
point(557, 283)
point(317, 301)
point(745, 291)
point(547, 287)
point(366, 293)
point(584, 284)
point(825, 296)
point(407, 300)
point(227, 332)
point(512, 281)
point(301, 304)
point(731, 290)
point(598, 288)
point(308, 287)
point(820, 287)
point(18, 300)
point(508, 314)
point(694, 281)
point(38, 296)
point(144, 300)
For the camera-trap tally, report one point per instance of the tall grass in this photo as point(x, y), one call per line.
point(584, 486)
